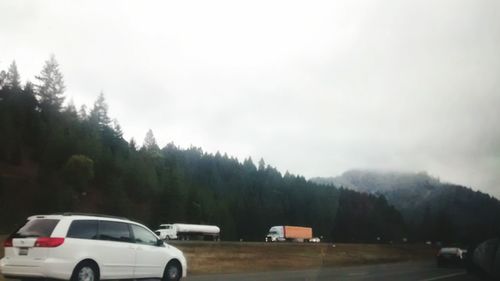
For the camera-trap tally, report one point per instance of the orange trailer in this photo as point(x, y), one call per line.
point(297, 232)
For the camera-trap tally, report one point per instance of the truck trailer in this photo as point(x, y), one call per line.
point(183, 231)
point(289, 233)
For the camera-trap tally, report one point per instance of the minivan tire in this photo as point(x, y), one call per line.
point(85, 271)
point(173, 272)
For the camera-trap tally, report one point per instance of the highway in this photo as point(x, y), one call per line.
point(412, 271)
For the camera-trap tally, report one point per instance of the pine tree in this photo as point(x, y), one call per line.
point(249, 165)
point(70, 108)
point(3, 77)
point(51, 85)
point(117, 128)
point(262, 164)
point(29, 87)
point(150, 143)
point(13, 79)
point(132, 145)
point(99, 113)
point(82, 113)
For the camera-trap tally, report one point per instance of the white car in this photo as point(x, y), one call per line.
point(80, 247)
point(315, 240)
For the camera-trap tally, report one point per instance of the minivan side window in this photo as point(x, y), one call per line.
point(83, 229)
point(114, 231)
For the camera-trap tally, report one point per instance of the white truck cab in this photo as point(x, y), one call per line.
point(167, 232)
point(275, 234)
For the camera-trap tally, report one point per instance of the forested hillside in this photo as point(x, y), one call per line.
point(55, 158)
point(432, 210)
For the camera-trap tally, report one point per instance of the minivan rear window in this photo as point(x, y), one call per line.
point(83, 229)
point(36, 228)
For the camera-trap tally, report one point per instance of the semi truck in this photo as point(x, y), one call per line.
point(289, 233)
point(183, 231)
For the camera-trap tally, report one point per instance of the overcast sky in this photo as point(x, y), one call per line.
point(315, 88)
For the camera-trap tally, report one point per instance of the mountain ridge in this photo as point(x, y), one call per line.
point(425, 201)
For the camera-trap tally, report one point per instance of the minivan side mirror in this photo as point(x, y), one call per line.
point(159, 243)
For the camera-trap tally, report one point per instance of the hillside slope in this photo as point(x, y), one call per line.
point(429, 206)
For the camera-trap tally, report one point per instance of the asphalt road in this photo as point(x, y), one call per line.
point(412, 271)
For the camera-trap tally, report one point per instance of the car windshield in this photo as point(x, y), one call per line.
point(263, 139)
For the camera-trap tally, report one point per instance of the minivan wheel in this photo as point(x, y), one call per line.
point(172, 272)
point(85, 272)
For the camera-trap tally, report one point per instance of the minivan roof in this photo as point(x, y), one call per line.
point(71, 214)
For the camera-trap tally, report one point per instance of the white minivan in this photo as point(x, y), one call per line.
point(80, 247)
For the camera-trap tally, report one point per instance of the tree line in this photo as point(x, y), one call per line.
point(57, 158)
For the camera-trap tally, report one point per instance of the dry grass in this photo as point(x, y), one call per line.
point(226, 257)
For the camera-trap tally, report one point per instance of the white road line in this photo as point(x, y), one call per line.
point(443, 276)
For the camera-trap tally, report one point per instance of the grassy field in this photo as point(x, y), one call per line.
point(226, 257)
point(240, 257)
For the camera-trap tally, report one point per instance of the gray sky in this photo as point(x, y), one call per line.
point(313, 87)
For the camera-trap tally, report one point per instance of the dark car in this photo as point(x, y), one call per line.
point(484, 260)
point(450, 256)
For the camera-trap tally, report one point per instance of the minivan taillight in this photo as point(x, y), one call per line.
point(7, 243)
point(49, 242)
